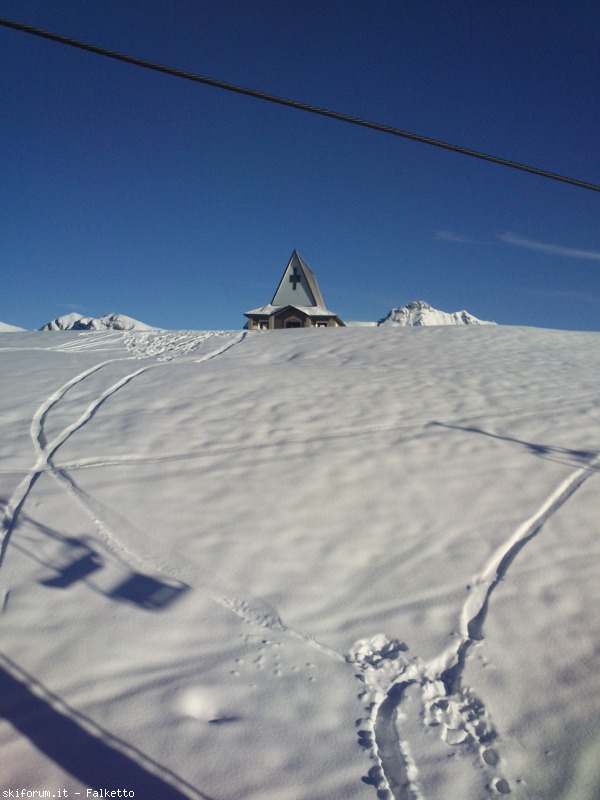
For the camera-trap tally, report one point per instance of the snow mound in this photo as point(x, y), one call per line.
point(6, 328)
point(112, 321)
point(420, 313)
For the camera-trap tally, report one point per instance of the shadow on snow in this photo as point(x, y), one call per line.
point(77, 560)
point(81, 748)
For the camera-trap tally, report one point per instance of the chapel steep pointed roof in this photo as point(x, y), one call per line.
point(298, 285)
point(297, 302)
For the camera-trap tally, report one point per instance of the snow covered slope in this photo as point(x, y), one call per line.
point(351, 563)
point(113, 321)
point(421, 313)
point(6, 328)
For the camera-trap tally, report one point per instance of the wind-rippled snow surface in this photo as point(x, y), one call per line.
point(350, 563)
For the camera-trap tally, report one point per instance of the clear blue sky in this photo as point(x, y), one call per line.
point(180, 204)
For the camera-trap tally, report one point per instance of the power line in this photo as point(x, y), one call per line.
point(271, 98)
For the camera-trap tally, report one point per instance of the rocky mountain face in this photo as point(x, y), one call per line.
point(421, 313)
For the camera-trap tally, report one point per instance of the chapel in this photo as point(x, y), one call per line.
point(297, 302)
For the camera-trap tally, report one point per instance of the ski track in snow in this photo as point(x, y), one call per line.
point(163, 347)
point(46, 450)
point(400, 693)
point(444, 703)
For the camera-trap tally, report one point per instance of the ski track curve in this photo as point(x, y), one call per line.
point(387, 674)
point(444, 703)
point(45, 450)
point(153, 344)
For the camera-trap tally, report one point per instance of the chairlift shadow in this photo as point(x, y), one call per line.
point(76, 571)
point(83, 561)
point(147, 593)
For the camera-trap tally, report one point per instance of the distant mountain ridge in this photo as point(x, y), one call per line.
point(417, 313)
point(420, 313)
point(6, 328)
point(112, 321)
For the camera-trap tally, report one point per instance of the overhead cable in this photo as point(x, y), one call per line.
point(271, 98)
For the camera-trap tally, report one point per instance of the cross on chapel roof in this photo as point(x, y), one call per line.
point(298, 285)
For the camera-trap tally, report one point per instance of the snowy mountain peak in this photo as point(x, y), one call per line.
point(421, 313)
point(6, 328)
point(112, 321)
